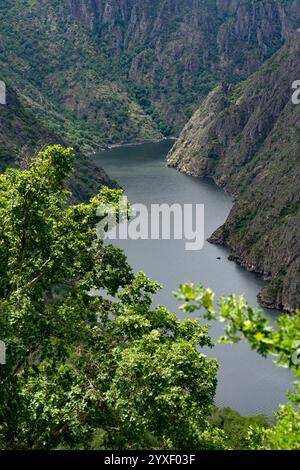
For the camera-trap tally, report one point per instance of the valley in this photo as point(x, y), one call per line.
point(168, 336)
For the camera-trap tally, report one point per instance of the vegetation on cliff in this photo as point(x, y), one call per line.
point(110, 371)
point(23, 134)
point(247, 138)
point(98, 72)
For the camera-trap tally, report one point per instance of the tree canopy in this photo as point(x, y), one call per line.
point(89, 370)
point(282, 342)
point(91, 364)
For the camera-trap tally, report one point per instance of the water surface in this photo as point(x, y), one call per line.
point(247, 382)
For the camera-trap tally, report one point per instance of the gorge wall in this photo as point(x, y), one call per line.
point(110, 71)
point(89, 73)
point(247, 138)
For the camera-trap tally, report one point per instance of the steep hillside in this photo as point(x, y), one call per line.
point(176, 50)
point(247, 138)
point(22, 134)
point(56, 61)
point(128, 70)
point(20, 130)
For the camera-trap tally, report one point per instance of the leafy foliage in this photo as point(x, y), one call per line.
point(89, 370)
point(90, 363)
point(283, 342)
point(237, 427)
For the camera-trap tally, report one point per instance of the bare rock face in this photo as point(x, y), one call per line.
point(177, 50)
point(133, 70)
point(247, 138)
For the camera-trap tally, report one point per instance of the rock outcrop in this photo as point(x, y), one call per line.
point(131, 70)
point(176, 50)
point(247, 137)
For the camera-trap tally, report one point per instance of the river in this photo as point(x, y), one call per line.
point(247, 382)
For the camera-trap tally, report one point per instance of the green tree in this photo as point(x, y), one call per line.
point(86, 370)
point(283, 341)
point(91, 363)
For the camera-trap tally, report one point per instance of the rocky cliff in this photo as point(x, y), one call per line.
point(247, 138)
point(128, 70)
point(174, 51)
